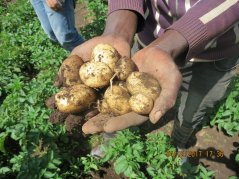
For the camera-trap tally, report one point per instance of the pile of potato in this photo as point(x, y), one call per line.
point(107, 81)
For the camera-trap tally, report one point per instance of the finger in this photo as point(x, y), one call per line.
point(124, 121)
point(95, 124)
point(162, 104)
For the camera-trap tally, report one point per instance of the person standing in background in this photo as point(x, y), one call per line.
point(58, 21)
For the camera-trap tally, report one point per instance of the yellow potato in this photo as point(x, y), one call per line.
point(105, 53)
point(139, 82)
point(124, 67)
point(141, 104)
point(69, 71)
point(95, 74)
point(103, 107)
point(75, 99)
point(117, 99)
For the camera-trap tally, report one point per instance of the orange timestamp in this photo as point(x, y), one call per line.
point(196, 153)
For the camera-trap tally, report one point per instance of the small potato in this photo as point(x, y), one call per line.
point(141, 104)
point(139, 82)
point(75, 99)
point(105, 53)
point(69, 71)
point(95, 74)
point(103, 107)
point(124, 67)
point(117, 99)
point(116, 89)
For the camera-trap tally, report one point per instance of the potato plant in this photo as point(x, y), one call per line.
point(30, 146)
point(227, 116)
point(136, 156)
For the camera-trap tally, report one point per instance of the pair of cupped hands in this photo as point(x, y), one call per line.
point(152, 60)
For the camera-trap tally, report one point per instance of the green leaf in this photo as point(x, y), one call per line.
point(4, 170)
point(48, 174)
point(237, 158)
point(56, 161)
point(52, 166)
point(226, 113)
point(120, 165)
point(2, 141)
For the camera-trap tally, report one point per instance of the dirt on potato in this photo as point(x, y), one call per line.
point(68, 74)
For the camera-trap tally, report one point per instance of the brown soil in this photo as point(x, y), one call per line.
point(107, 172)
point(73, 123)
point(50, 102)
point(80, 15)
point(57, 117)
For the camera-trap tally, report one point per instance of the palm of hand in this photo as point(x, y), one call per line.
point(160, 64)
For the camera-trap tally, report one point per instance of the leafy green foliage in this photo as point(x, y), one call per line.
point(227, 116)
point(196, 172)
point(139, 157)
point(97, 15)
point(28, 63)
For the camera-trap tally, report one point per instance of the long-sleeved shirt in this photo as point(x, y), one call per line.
point(211, 27)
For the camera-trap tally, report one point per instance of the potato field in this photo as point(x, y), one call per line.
point(37, 143)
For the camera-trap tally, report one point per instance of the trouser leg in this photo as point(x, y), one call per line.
point(39, 8)
point(204, 84)
point(63, 25)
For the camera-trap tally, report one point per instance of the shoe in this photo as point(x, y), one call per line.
point(98, 150)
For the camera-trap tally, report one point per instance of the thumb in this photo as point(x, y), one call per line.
point(161, 105)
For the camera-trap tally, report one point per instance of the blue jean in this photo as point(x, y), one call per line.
point(59, 25)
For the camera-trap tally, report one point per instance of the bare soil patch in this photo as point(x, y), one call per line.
point(80, 15)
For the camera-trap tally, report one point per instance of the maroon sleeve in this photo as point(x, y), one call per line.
point(206, 20)
point(134, 5)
